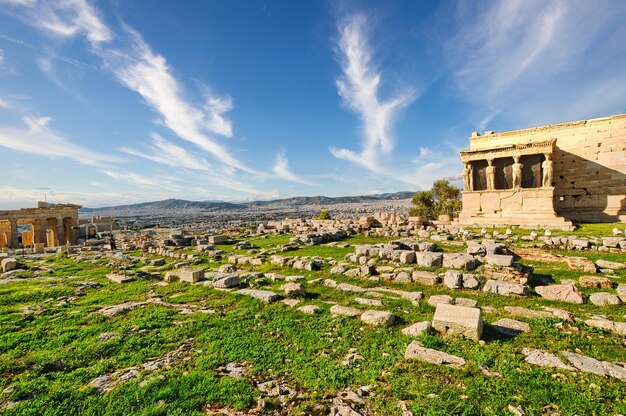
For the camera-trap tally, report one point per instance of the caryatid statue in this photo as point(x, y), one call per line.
point(490, 172)
point(546, 166)
point(468, 177)
point(517, 173)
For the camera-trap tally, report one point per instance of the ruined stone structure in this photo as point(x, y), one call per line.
point(547, 176)
point(48, 225)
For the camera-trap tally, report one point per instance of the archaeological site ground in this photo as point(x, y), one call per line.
point(515, 307)
point(375, 315)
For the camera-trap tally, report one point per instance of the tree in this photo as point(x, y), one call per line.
point(423, 205)
point(442, 199)
point(324, 215)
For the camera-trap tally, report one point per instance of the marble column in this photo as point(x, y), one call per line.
point(43, 226)
point(61, 232)
point(517, 173)
point(14, 239)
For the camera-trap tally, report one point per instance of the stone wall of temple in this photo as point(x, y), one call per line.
point(589, 165)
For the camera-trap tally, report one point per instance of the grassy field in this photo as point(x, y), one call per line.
point(52, 346)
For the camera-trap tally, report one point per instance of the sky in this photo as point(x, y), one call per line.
point(113, 102)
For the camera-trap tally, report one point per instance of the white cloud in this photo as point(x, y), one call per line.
point(131, 177)
point(359, 88)
point(148, 74)
point(1, 57)
point(38, 139)
point(5, 105)
point(169, 154)
point(69, 18)
point(281, 169)
point(140, 69)
point(531, 60)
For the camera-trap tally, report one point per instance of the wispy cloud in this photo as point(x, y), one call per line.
point(69, 18)
point(167, 153)
point(142, 70)
point(38, 139)
point(131, 177)
point(4, 104)
point(359, 89)
point(281, 169)
point(531, 60)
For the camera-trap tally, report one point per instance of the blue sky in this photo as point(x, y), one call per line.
point(112, 102)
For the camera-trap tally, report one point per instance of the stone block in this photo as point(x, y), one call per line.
point(425, 278)
point(417, 329)
point(190, 275)
point(470, 281)
point(8, 264)
point(453, 279)
point(502, 260)
point(428, 259)
point(458, 321)
point(565, 293)
point(378, 318)
point(604, 299)
point(407, 256)
point(435, 300)
point(416, 352)
point(595, 282)
point(227, 282)
point(505, 288)
point(462, 261)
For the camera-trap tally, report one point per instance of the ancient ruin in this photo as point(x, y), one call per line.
point(547, 176)
point(48, 225)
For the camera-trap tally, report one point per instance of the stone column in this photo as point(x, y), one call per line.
point(14, 239)
point(61, 231)
point(43, 225)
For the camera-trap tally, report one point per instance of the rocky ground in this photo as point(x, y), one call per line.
point(440, 322)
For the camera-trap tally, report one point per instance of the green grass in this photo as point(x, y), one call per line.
point(48, 357)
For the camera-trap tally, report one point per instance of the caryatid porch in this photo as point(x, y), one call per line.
point(510, 185)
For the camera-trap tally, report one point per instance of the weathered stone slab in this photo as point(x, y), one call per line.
point(111, 311)
point(428, 259)
point(564, 293)
point(368, 302)
point(378, 318)
point(502, 260)
point(417, 329)
point(527, 313)
point(586, 364)
point(417, 352)
point(510, 327)
point(470, 281)
point(460, 261)
point(345, 311)
point(612, 265)
point(544, 359)
point(604, 299)
point(293, 290)
point(468, 303)
point(581, 264)
point(263, 295)
point(505, 288)
point(616, 327)
point(346, 287)
point(458, 320)
point(425, 278)
point(308, 309)
point(8, 264)
point(595, 282)
point(119, 278)
point(227, 282)
point(435, 300)
point(453, 279)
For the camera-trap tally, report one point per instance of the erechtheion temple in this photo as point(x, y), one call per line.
point(547, 176)
point(48, 225)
